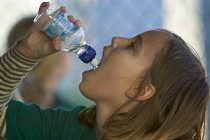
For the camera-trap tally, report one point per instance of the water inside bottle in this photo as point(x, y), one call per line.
point(74, 41)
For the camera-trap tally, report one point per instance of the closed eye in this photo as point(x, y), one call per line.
point(131, 46)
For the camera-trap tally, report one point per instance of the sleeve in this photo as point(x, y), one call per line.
point(13, 67)
point(31, 122)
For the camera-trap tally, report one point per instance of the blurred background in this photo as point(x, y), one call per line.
point(104, 19)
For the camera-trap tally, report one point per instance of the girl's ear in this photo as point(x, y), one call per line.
point(147, 93)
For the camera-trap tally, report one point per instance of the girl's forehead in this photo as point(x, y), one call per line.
point(152, 38)
point(150, 43)
point(155, 34)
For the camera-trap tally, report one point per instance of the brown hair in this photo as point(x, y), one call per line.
point(176, 111)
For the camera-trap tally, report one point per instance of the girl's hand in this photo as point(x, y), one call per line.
point(36, 44)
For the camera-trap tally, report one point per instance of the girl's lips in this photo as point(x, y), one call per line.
point(87, 71)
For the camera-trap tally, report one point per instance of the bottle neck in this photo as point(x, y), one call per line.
point(95, 62)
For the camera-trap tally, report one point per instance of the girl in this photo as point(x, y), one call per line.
point(149, 87)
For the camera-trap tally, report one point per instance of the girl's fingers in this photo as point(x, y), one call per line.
point(77, 23)
point(43, 7)
point(71, 19)
point(63, 9)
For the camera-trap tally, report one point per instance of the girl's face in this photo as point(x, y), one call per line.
point(123, 64)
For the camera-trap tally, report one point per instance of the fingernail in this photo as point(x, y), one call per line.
point(45, 4)
point(71, 16)
point(63, 9)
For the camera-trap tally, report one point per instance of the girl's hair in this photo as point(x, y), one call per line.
point(177, 109)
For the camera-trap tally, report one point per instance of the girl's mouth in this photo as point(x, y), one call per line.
point(87, 71)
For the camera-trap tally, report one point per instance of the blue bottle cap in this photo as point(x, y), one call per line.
point(88, 55)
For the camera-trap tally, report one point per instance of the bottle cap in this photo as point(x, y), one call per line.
point(88, 55)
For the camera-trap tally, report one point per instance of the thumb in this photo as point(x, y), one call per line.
point(43, 7)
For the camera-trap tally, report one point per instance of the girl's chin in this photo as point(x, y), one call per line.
point(85, 91)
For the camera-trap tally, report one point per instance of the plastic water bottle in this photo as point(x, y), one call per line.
point(54, 22)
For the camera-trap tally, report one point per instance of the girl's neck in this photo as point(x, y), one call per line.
point(103, 112)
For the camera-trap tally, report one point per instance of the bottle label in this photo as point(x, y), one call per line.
point(59, 25)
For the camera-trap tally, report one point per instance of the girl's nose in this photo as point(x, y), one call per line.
point(118, 41)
